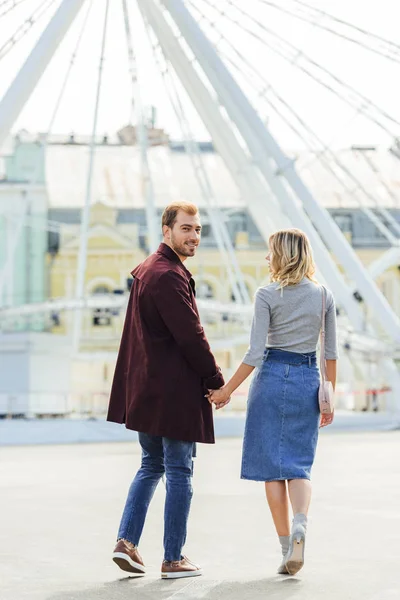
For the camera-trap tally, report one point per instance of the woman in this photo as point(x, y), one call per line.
point(283, 416)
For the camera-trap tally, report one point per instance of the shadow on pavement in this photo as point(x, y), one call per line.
point(276, 587)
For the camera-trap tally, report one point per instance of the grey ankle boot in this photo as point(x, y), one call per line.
point(284, 540)
point(297, 541)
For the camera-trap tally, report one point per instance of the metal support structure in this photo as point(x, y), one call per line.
point(263, 205)
point(388, 259)
point(220, 129)
point(25, 218)
point(272, 161)
point(30, 73)
point(243, 171)
point(217, 223)
point(153, 227)
point(292, 53)
point(360, 343)
point(248, 67)
point(82, 257)
point(266, 178)
point(386, 215)
point(321, 19)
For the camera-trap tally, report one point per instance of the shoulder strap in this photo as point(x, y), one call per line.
point(322, 354)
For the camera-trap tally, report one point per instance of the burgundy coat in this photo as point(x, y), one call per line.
point(164, 364)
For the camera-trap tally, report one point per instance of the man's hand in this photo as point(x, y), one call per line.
point(326, 420)
point(219, 397)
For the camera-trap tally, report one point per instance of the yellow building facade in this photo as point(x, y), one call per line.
point(113, 251)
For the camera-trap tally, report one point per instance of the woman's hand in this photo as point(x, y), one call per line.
point(326, 420)
point(222, 396)
point(219, 397)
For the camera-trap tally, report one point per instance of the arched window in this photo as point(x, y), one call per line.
point(101, 289)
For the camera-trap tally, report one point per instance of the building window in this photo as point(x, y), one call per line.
point(248, 291)
point(206, 230)
point(101, 289)
point(101, 317)
point(205, 291)
point(344, 222)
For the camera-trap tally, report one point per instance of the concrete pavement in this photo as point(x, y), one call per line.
point(60, 507)
point(227, 424)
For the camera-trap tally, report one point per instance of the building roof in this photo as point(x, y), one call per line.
point(117, 177)
point(118, 180)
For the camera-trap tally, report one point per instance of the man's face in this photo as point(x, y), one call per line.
point(184, 235)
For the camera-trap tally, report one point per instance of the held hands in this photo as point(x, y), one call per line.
point(219, 397)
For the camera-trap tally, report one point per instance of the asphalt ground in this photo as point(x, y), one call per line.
point(61, 505)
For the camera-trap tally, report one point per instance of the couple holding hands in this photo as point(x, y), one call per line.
point(166, 380)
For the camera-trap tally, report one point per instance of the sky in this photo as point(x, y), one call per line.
point(336, 124)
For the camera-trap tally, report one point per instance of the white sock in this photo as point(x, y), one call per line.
point(284, 540)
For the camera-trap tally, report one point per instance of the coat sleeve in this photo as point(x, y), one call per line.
point(173, 302)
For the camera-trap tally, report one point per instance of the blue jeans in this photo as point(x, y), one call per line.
point(174, 458)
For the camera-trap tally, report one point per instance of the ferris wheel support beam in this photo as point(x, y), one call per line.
point(388, 259)
point(35, 65)
point(243, 171)
point(136, 74)
point(268, 213)
point(264, 207)
point(218, 225)
point(259, 167)
point(240, 166)
point(283, 179)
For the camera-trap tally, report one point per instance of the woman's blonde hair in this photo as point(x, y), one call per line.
point(291, 257)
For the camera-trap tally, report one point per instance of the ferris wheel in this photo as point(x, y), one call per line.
point(240, 73)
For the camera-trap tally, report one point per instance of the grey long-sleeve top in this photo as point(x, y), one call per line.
point(290, 319)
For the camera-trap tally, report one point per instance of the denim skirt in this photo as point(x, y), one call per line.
point(282, 421)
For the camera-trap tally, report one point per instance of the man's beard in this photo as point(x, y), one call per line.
point(182, 249)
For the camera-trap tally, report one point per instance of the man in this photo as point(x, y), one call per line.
point(163, 372)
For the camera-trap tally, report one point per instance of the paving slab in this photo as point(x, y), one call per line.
point(61, 504)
